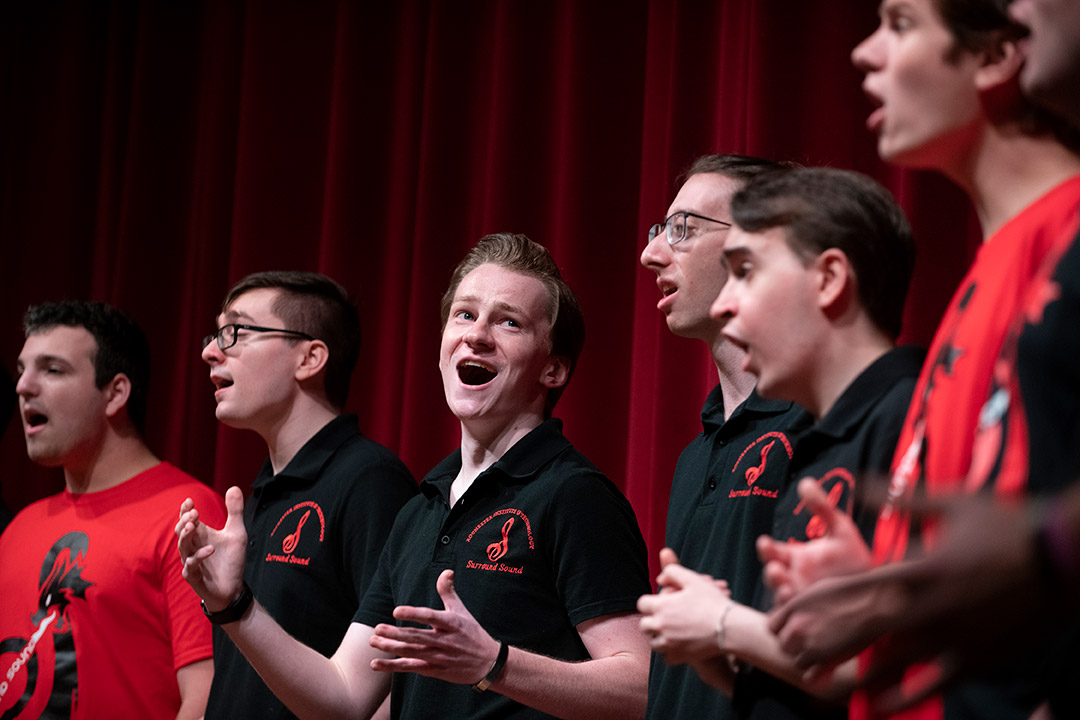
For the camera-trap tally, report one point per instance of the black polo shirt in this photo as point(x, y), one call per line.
point(857, 436)
point(315, 531)
point(539, 543)
point(723, 495)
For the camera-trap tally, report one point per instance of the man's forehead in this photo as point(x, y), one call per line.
point(252, 305)
point(60, 341)
point(705, 193)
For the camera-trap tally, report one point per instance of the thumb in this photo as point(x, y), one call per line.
point(445, 587)
point(668, 557)
point(234, 505)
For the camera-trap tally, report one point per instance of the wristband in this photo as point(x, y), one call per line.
point(233, 611)
point(496, 669)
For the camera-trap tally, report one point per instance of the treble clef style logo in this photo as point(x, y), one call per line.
point(753, 473)
point(293, 538)
point(497, 549)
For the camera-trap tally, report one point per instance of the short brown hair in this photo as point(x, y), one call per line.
point(822, 208)
point(981, 26)
point(314, 304)
point(519, 254)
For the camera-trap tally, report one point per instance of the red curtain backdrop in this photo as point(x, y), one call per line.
point(155, 152)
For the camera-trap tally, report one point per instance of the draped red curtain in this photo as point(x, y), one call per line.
point(155, 152)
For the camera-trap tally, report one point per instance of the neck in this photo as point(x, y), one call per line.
point(120, 457)
point(1008, 170)
point(735, 383)
point(840, 362)
point(481, 447)
point(284, 438)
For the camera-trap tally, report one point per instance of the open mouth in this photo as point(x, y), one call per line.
point(35, 419)
point(473, 373)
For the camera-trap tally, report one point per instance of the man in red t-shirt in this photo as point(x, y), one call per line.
point(96, 619)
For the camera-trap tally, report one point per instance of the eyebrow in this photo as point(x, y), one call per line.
point(504, 306)
point(737, 250)
point(233, 315)
point(43, 360)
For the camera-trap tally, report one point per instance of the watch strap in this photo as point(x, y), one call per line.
point(234, 610)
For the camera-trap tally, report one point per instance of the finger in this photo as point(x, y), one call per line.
point(677, 576)
point(668, 557)
point(778, 617)
point(187, 518)
point(648, 604)
point(770, 550)
point(444, 585)
point(423, 615)
point(817, 503)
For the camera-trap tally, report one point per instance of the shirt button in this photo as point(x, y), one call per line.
point(712, 484)
point(445, 540)
point(251, 543)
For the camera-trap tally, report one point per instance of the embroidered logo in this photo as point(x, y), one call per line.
point(59, 584)
point(834, 483)
point(296, 524)
point(503, 543)
point(768, 445)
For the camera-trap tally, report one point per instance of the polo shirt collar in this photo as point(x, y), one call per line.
point(864, 393)
point(712, 413)
point(522, 461)
point(314, 454)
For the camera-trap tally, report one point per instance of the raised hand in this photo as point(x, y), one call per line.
point(453, 647)
point(213, 559)
point(792, 567)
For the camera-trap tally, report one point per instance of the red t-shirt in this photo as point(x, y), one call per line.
point(95, 617)
point(935, 448)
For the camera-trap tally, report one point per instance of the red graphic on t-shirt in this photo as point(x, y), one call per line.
point(753, 473)
point(60, 583)
point(290, 543)
point(497, 549)
point(496, 552)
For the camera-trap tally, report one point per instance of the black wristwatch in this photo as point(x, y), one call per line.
point(234, 611)
point(496, 669)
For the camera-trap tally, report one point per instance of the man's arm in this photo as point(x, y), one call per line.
point(194, 682)
point(453, 647)
point(309, 683)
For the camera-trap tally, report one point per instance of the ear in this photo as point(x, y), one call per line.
point(313, 360)
point(117, 391)
point(1000, 66)
point(835, 278)
point(556, 372)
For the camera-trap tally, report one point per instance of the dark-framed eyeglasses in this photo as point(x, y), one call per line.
point(675, 226)
point(226, 335)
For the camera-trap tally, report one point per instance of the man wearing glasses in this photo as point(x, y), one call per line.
point(324, 501)
point(507, 587)
point(729, 477)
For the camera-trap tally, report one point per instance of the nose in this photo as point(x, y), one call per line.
point(657, 252)
point(26, 385)
point(867, 55)
point(212, 354)
point(479, 335)
point(724, 307)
